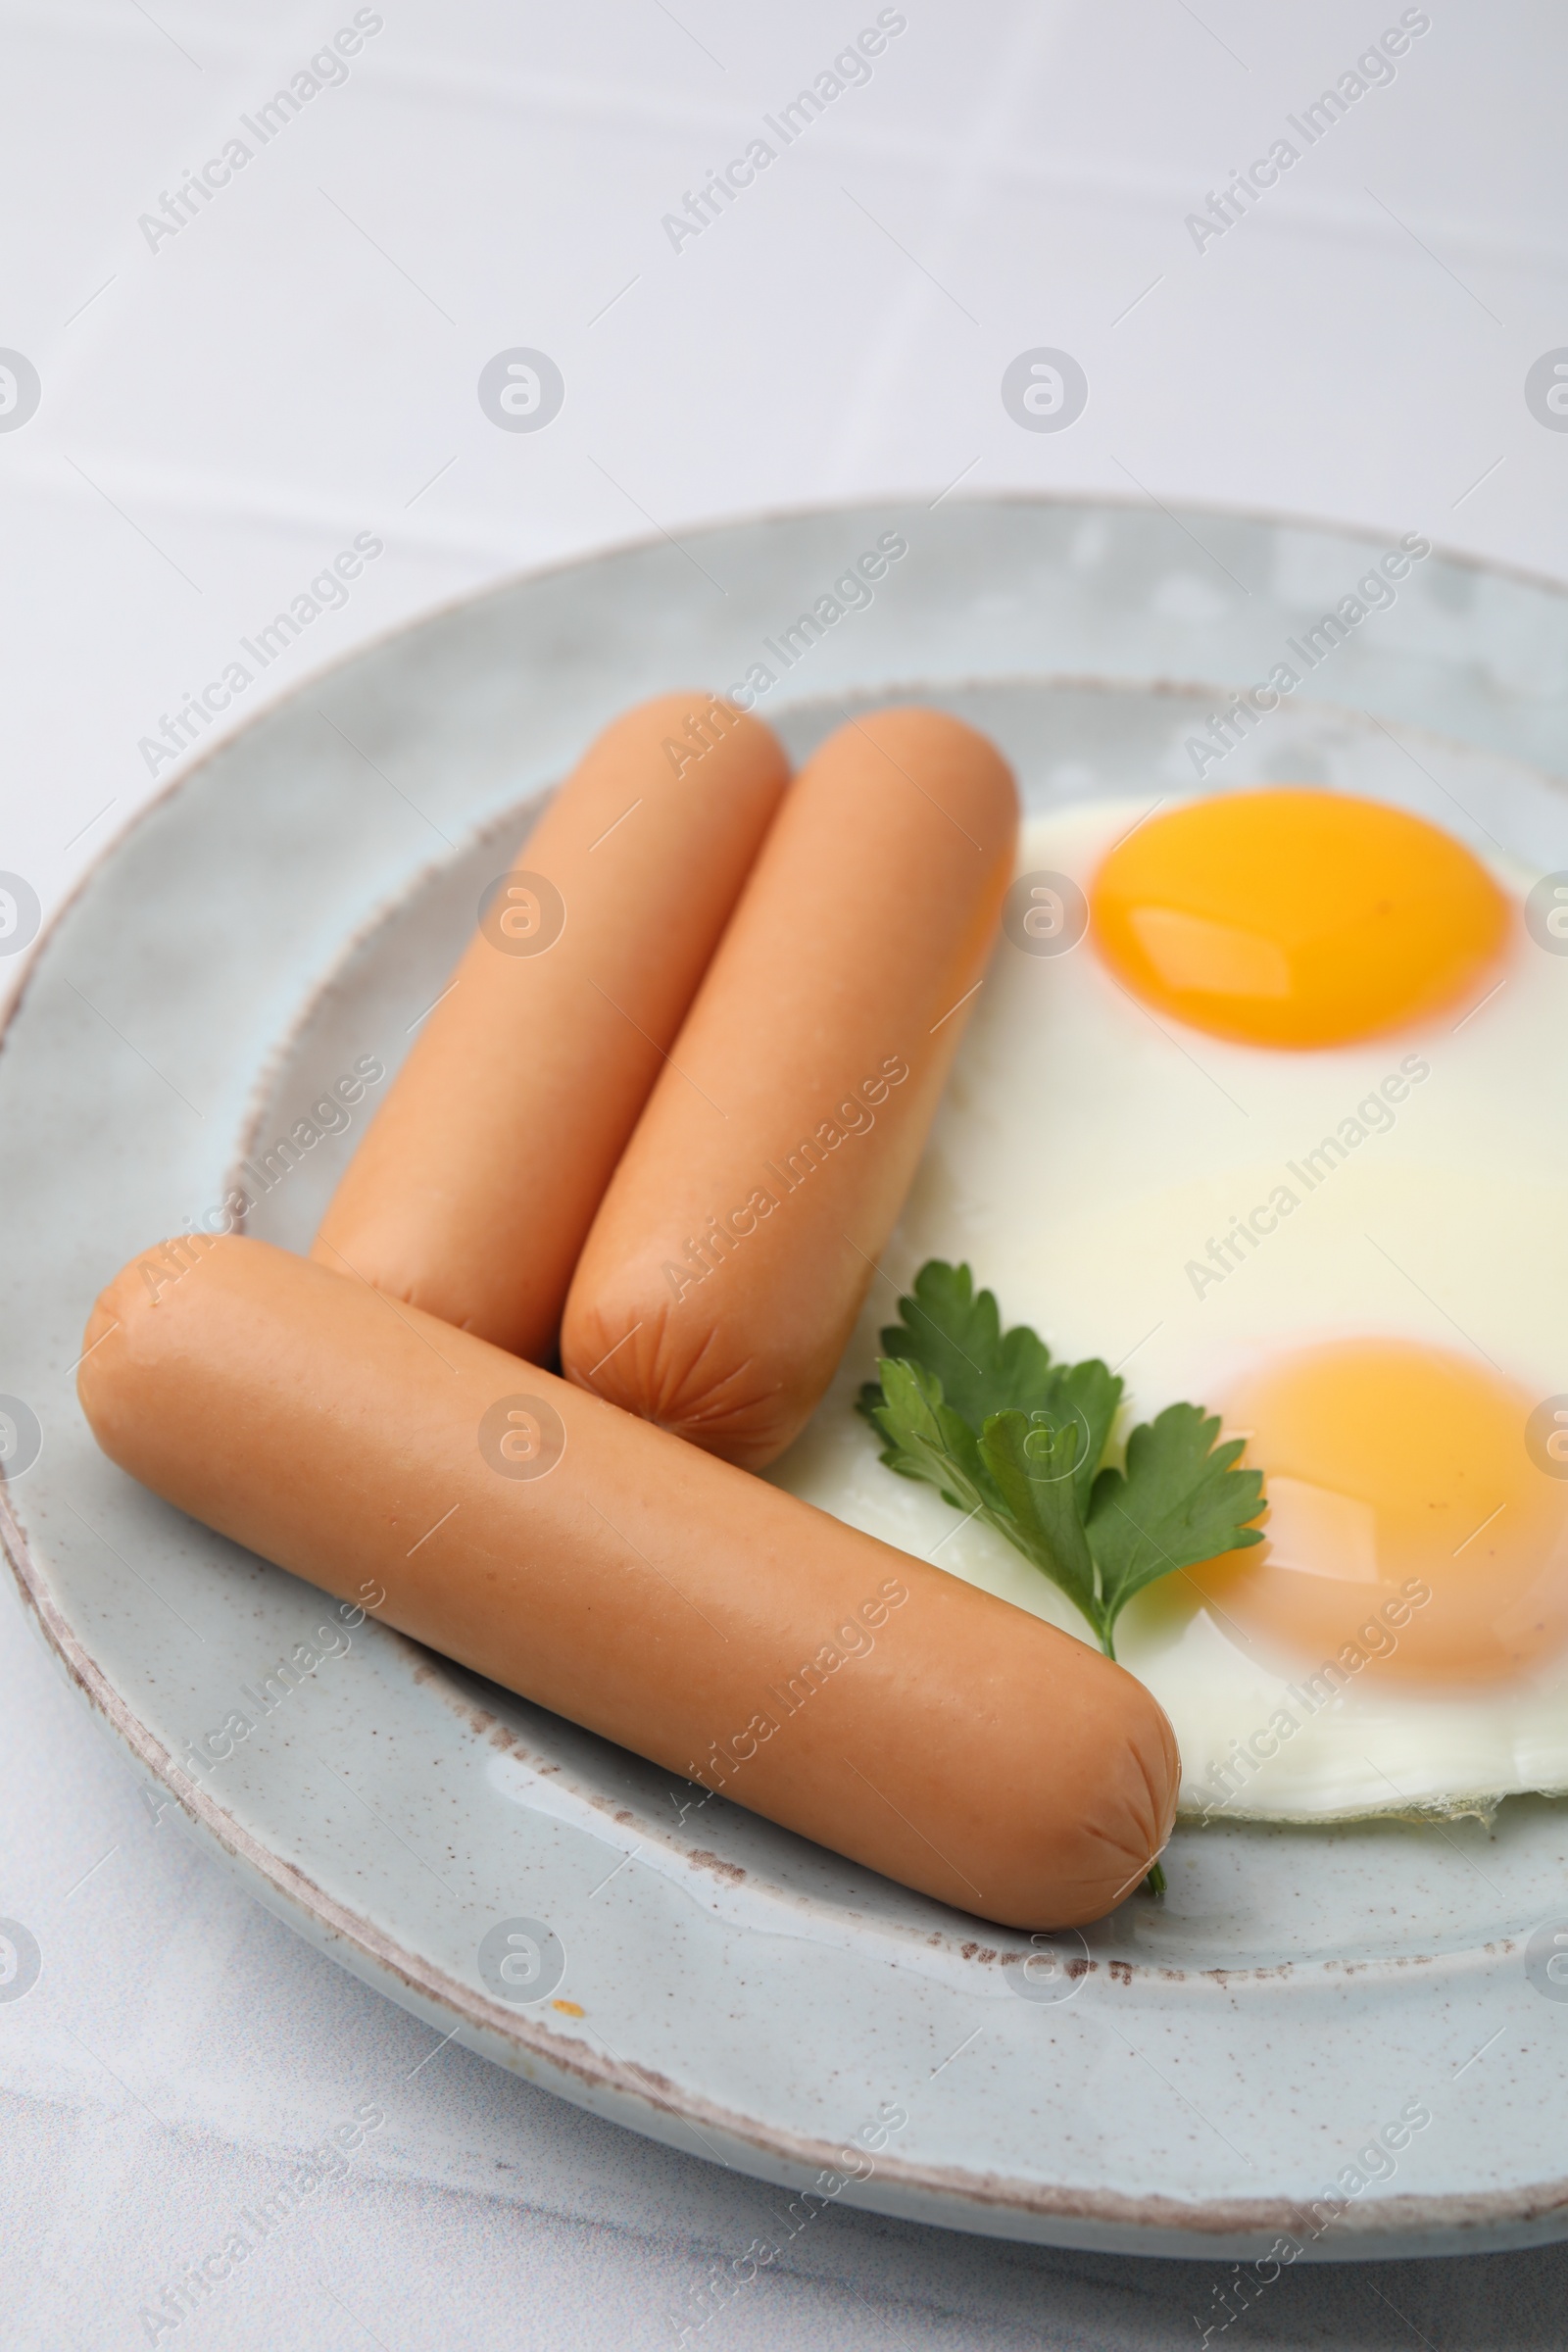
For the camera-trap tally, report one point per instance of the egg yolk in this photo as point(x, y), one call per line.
point(1410, 1519)
point(1296, 917)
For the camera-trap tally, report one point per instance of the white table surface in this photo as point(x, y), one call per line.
point(222, 409)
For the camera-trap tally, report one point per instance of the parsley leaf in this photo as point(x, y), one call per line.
point(928, 1438)
point(1034, 1466)
point(958, 1337)
point(1177, 1502)
point(1008, 1436)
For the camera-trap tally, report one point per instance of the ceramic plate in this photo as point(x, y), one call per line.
point(1192, 2076)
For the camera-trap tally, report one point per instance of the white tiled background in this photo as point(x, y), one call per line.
point(222, 413)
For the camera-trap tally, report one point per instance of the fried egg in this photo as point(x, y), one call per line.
point(1261, 1103)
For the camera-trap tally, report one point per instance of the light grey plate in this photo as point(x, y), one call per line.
point(292, 908)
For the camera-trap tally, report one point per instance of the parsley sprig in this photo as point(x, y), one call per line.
point(1011, 1437)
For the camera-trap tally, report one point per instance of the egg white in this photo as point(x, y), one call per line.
point(1087, 1151)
